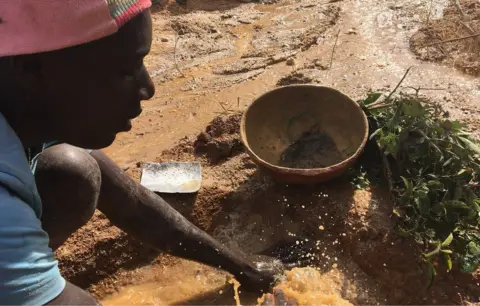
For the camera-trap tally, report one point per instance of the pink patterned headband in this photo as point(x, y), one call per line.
point(34, 26)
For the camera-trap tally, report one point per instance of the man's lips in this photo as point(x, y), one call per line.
point(128, 123)
point(135, 115)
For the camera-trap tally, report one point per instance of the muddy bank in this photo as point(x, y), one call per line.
point(436, 39)
point(349, 234)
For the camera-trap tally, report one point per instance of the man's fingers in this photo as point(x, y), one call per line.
point(278, 298)
point(269, 300)
point(282, 300)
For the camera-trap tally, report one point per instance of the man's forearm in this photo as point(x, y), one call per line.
point(143, 214)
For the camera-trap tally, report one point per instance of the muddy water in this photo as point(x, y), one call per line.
point(306, 285)
point(182, 284)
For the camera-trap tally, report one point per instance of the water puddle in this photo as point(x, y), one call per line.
point(306, 285)
point(180, 284)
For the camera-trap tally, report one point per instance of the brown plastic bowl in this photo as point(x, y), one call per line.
point(280, 117)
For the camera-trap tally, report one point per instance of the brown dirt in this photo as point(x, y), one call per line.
point(463, 54)
point(350, 234)
point(309, 76)
point(311, 150)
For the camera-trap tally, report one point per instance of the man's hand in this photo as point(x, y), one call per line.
point(272, 264)
point(278, 298)
point(261, 276)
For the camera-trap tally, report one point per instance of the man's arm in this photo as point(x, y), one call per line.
point(143, 214)
point(72, 295)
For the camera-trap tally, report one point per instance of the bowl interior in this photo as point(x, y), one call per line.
point(304, 127)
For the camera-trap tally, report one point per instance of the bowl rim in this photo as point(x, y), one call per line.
point(304, 171)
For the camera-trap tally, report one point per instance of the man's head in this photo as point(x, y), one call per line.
point(83, 95)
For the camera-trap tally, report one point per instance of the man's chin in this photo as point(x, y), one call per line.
point(95, 142)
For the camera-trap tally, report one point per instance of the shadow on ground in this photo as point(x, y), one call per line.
point(196, 5)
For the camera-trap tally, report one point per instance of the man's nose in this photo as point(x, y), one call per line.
point(146, 88)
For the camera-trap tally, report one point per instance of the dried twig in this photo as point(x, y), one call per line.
point(459, 9)
point(227, 111)
point(388, 171)
point(418, 89)
point(429, 13)
point(384, 103)
point(175, 55)
point(451, 40)
point(333, 50)
point(464, 21)
point(399, 83)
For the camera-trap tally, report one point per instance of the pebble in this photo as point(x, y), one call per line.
point(164, 39)
point(291, 62)
point(321, 227)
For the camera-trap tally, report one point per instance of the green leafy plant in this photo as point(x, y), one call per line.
point(358, 178)
point(435, 171)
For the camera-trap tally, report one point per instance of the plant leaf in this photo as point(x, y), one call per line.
point(431, 273)
point(472, 146)
point(448, 261)
point(447, 241)
point(408, 185)
point(456, 204)
point(469, 264)
point(473, 248)
point(413, 109)
point(371, 98)
point(448, 161)
point(375, 133)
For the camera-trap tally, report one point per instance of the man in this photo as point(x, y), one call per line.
point(72, 77)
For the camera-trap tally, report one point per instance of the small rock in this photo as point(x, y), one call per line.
point(164, 39)
point(395, 7)
point(352, 32)
point(321, 65)
point(125, 168)
point(244, 21)
point(291, 62)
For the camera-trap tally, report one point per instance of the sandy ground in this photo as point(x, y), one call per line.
point(437, 35)
point(215, 58)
